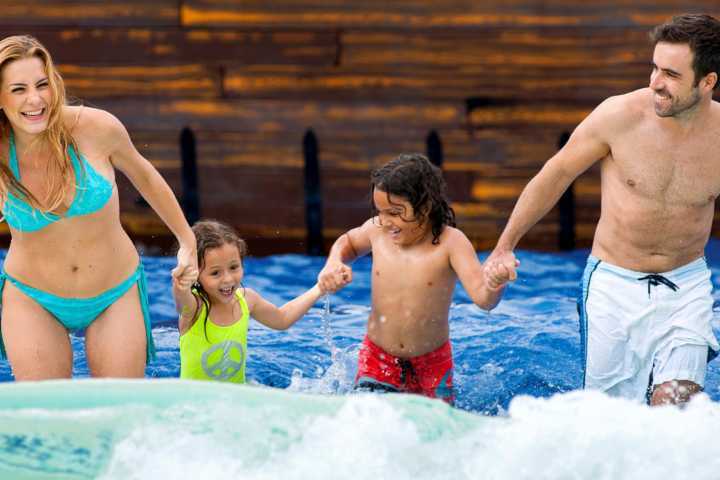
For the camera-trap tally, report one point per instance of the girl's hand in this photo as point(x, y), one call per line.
point(186, 272)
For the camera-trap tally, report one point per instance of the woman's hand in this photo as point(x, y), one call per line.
point(186, 272)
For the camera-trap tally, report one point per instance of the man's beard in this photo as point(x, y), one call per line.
point(677, 105)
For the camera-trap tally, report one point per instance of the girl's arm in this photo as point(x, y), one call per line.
point(148, 181)
point(283, 317)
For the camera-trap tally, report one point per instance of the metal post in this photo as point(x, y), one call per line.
point(313, 198)
point(190, 200)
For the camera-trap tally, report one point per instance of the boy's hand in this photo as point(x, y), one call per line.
point(334, 276)
point(500, 269)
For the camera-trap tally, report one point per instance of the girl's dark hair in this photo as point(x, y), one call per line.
point(701, 33)
point(211, 234)
point(412, 177)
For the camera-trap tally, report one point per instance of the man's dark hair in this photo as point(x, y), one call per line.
point(702, 34)
point(412, 177)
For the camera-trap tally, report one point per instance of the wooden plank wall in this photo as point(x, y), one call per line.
point(497, 81)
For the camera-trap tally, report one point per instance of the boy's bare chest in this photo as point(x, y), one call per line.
point(411, 269)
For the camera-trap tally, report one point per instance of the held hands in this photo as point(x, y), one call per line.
point(186, 272)
point(334, 276)
point(499, 269)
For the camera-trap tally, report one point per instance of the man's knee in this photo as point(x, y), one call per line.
point(674, 392)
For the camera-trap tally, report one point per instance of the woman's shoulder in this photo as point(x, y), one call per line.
point(88, 122)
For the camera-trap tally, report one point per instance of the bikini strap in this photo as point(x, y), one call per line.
point(12, 154)
point(13, 161)
point(77, 166)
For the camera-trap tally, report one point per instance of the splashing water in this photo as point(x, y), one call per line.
point(147, 429)
point(528, 348)
point(334, 379)
point(327, 331)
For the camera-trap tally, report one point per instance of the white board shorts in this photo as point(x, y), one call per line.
point(638, 330)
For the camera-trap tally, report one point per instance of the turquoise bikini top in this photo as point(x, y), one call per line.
point(92, 192)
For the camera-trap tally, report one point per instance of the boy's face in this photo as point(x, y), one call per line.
point(397, 218)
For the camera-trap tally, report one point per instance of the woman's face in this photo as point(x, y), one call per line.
point(25, 95)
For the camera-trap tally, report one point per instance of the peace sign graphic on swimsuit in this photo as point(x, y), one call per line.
point(226, 366)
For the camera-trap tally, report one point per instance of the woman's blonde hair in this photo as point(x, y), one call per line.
point(59, 173)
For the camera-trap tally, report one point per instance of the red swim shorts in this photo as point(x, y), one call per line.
point(429, 374)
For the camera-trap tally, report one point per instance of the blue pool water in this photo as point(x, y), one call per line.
point(528, 345)
point(509, 424)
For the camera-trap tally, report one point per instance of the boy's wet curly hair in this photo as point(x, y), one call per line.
point(412, 177)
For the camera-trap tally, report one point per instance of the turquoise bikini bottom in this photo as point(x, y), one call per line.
point(79, 313)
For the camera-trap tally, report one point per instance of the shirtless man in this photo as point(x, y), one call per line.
point(418, 256)
point(646, 304)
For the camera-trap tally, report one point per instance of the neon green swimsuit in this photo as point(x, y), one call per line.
point(221, 358)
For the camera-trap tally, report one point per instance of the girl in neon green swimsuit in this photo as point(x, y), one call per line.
point(214, 312)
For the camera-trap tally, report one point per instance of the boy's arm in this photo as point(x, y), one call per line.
point(283, 317)
point(350, 245)
point(471, 273)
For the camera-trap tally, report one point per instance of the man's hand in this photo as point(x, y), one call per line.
point(500, 268)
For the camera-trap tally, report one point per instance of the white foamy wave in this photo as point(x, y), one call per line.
point(587, 435)
point(189, 430)
point(582, 435)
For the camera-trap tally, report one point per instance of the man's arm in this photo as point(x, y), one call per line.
point(588, 144)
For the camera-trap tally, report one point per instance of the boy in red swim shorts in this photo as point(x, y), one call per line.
point(429, 374)
point(418, 255)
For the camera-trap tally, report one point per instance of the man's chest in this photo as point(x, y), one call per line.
point(686, 171)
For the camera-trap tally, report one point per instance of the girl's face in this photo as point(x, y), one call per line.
point(398, 219)
point(25, 95)
point(221, 272)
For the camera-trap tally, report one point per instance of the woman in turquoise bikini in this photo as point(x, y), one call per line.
point(70, 264)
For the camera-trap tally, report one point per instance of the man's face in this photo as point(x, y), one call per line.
point(673, 79)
